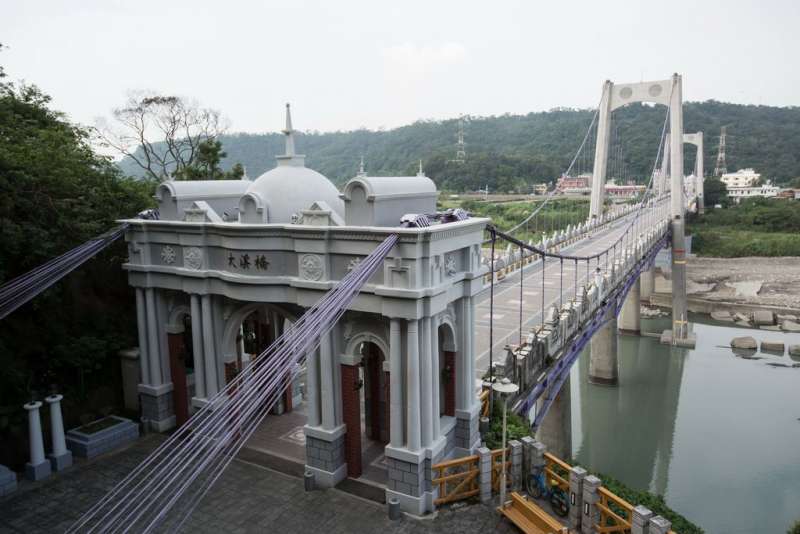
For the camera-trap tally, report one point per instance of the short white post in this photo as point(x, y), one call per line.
point(60, 458)
point(38, 468)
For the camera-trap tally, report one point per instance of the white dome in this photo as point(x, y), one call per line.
point(278, 195)
point(285, 191)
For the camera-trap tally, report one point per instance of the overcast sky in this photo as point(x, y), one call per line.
point(345, 65)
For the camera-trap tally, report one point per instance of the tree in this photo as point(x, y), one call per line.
point(161, 134)
point(715, 192)
point(206, 164)
point(55, 193)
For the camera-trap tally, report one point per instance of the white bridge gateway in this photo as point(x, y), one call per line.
point(381, 311)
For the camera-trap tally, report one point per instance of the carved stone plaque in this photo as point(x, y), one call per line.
point(192, 258)
point(311, 267)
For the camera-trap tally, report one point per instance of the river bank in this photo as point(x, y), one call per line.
point(736, 285)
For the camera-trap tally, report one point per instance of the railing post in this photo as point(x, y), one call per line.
point(590, 515)
point(641, 518)
point(659, 525)
point(538, 459)
point(576, 476)
point(485, 474)
point(516, 464)
point(527, 455)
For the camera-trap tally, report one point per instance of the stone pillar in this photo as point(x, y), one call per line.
point(131, 378)
point(576, 476)
point(641, 519)
point(555, 430)
point(412, 386)
point(659, 525)
point(485, 474)
point(647, 284)
point(312, 389)
point(516, 464)
point(467, 406)
point(351, 403)
point(436, 376)
point(141, 323)
point(630, 316)
point(426, 386)
point(601, 153)
point(327, 381)
point(38, 467)
point(197, 348)
point(209, 348)
point(153, 346)
point(603, 368)
point(396, 387)
point(590, 514)
point(60, 458)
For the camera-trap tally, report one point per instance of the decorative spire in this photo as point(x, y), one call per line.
point(289, 157)
point(289, 132)
point(420, 173)
point(361, 171)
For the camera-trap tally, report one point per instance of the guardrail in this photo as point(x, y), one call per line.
point(456, 479)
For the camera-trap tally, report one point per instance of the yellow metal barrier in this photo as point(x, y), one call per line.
point(616, 514)
point(497, 468)
point(457, 479)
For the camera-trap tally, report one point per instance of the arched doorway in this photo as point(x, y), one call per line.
point(447, 370)
point(365, 403)
point(251, 331)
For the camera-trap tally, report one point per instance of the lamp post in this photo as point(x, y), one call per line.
point(505, 388)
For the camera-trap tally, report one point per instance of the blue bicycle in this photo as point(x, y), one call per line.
point(539, 487)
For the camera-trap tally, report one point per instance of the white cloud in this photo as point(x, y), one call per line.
point(413, 59)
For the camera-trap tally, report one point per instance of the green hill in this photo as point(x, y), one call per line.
point(512, 151)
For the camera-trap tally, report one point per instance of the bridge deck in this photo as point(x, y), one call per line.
point(506, 295)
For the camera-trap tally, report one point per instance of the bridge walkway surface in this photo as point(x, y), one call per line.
point(506, 294)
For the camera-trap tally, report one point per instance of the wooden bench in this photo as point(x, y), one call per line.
point(529, 517)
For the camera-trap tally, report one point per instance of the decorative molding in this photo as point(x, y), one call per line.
point(312, 267)
point(450, 264)
point(167, 255)
point(193, 257)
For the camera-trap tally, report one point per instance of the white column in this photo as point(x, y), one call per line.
point(412, 385)
point(209, 351)
point(701, 202)
point(601, 153)
point(141, 322)
point(35, 433)
point(153, 350)
point(426, 392)
point(437, 378)
point(676, 148)
point(469, 354)
point(327, 380)
point(396, 386)
point(312, 387)
point(56, 425)
point(197, 348)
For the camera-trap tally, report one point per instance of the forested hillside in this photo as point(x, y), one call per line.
point(511, 151)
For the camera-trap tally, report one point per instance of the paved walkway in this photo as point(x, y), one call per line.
point(247, 498)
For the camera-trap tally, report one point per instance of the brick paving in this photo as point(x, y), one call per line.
point(247, 498)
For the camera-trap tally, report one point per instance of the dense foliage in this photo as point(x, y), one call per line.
point(508, 151)
point(56, 193)
point(756, 227)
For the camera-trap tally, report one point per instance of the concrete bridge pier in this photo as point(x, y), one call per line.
point(556, 428)
point(603, 367)
point(630, 316)
point(647, 282)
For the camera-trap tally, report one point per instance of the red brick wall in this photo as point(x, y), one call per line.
point(351, 405)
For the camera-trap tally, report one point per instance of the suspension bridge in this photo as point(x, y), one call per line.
point(386, 313)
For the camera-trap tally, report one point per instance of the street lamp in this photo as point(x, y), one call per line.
point(505, 388)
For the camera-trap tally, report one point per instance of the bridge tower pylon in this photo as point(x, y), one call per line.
point(696, 139)
point(669, 93)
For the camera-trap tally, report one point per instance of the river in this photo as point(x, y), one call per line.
point(716, 434)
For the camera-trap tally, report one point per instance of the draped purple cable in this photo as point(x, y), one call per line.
point(168, 485)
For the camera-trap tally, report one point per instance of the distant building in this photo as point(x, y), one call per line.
point(539, 189)
point(741, 178)
point(574, 182)
point(791, 194)
point(627, 190)
point(767, 190)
